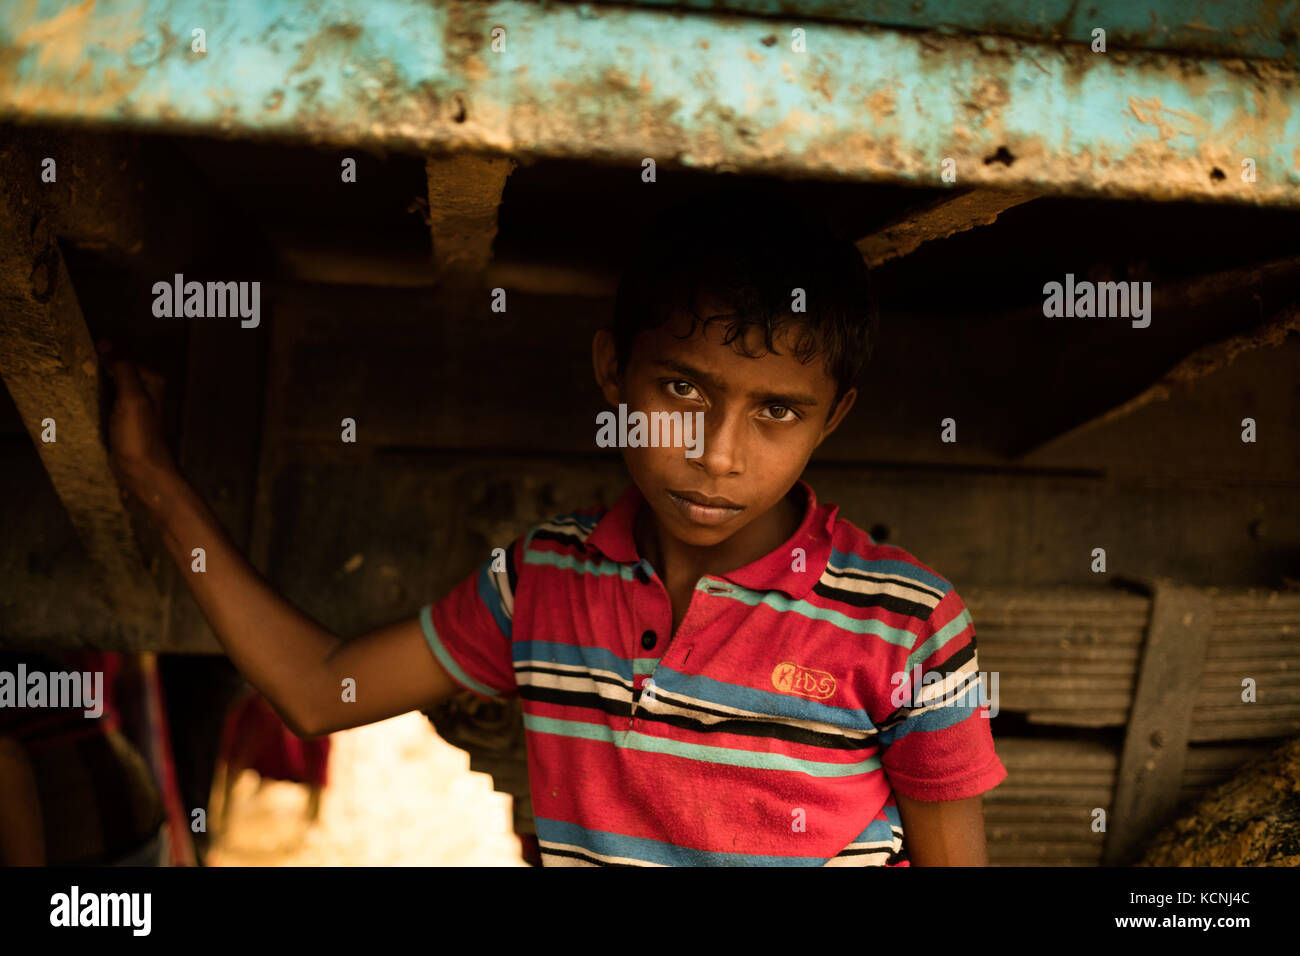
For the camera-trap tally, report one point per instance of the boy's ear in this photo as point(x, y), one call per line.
point(837, 416)
point(604, 360)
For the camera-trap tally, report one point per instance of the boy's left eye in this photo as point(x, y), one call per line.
point(788, 413)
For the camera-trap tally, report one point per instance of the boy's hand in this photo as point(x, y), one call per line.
point(298, 665)
point(135, 426)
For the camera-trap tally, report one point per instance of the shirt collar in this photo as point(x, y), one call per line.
point(774, 571)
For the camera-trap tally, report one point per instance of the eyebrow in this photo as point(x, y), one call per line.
point(767, 398)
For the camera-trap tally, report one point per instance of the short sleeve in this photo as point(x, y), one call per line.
point(470, 629)
point(937, 743)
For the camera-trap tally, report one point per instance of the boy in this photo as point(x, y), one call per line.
point(716, 670)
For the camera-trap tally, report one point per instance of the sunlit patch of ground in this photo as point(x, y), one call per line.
point(398, 796)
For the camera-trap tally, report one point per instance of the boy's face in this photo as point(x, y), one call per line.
point(762, 419)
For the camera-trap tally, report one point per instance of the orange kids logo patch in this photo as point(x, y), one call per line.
point(790, 678)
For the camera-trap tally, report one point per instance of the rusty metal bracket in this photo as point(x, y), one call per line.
point(1155, 747)
point(964, 209)
point(49, 364)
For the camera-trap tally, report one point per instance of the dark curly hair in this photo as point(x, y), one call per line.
point(752, 248)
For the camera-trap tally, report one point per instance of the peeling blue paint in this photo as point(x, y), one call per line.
point(1264, 29)
point(619, 84)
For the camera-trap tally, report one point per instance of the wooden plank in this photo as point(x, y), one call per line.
point(420, 339)
point(50, 367)
point(964, 209)
point(218, 454)
point(307, 257)
point(1032, 527)
point(51, 599)
point(1159, 726)
point(271, 453)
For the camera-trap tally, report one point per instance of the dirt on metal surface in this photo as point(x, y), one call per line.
point(723, 93)
point(938, 220)
point(1252, 820)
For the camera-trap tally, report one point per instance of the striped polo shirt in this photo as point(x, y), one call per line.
point(769, 730)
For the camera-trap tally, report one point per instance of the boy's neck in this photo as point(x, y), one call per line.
point(680, 563)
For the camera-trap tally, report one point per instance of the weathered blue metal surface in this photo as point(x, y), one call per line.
point(621, 84)
point(1268, 29)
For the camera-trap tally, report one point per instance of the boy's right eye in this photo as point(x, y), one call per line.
point(673, 390)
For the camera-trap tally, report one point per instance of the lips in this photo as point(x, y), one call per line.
point(702, 509)
point(705, 500)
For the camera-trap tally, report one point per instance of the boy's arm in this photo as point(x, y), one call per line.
point(939, 754)
point(295, 663)
point(948, 833)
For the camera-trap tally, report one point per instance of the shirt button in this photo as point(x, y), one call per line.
point(648, 640)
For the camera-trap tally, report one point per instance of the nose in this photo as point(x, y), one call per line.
point(723, 442)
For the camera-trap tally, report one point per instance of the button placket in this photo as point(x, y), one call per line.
point(650, 637)
point(649, 603)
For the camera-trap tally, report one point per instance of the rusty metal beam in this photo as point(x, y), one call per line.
point(1248, 280)
point(98, 200)
point(1268, 286)
point(723, 93)
point(309, 259)
point(1159, 723)
point(1205, 361)
point(1200, 363)
point(1244, 28)
point(944, 217)
point(48, 363)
